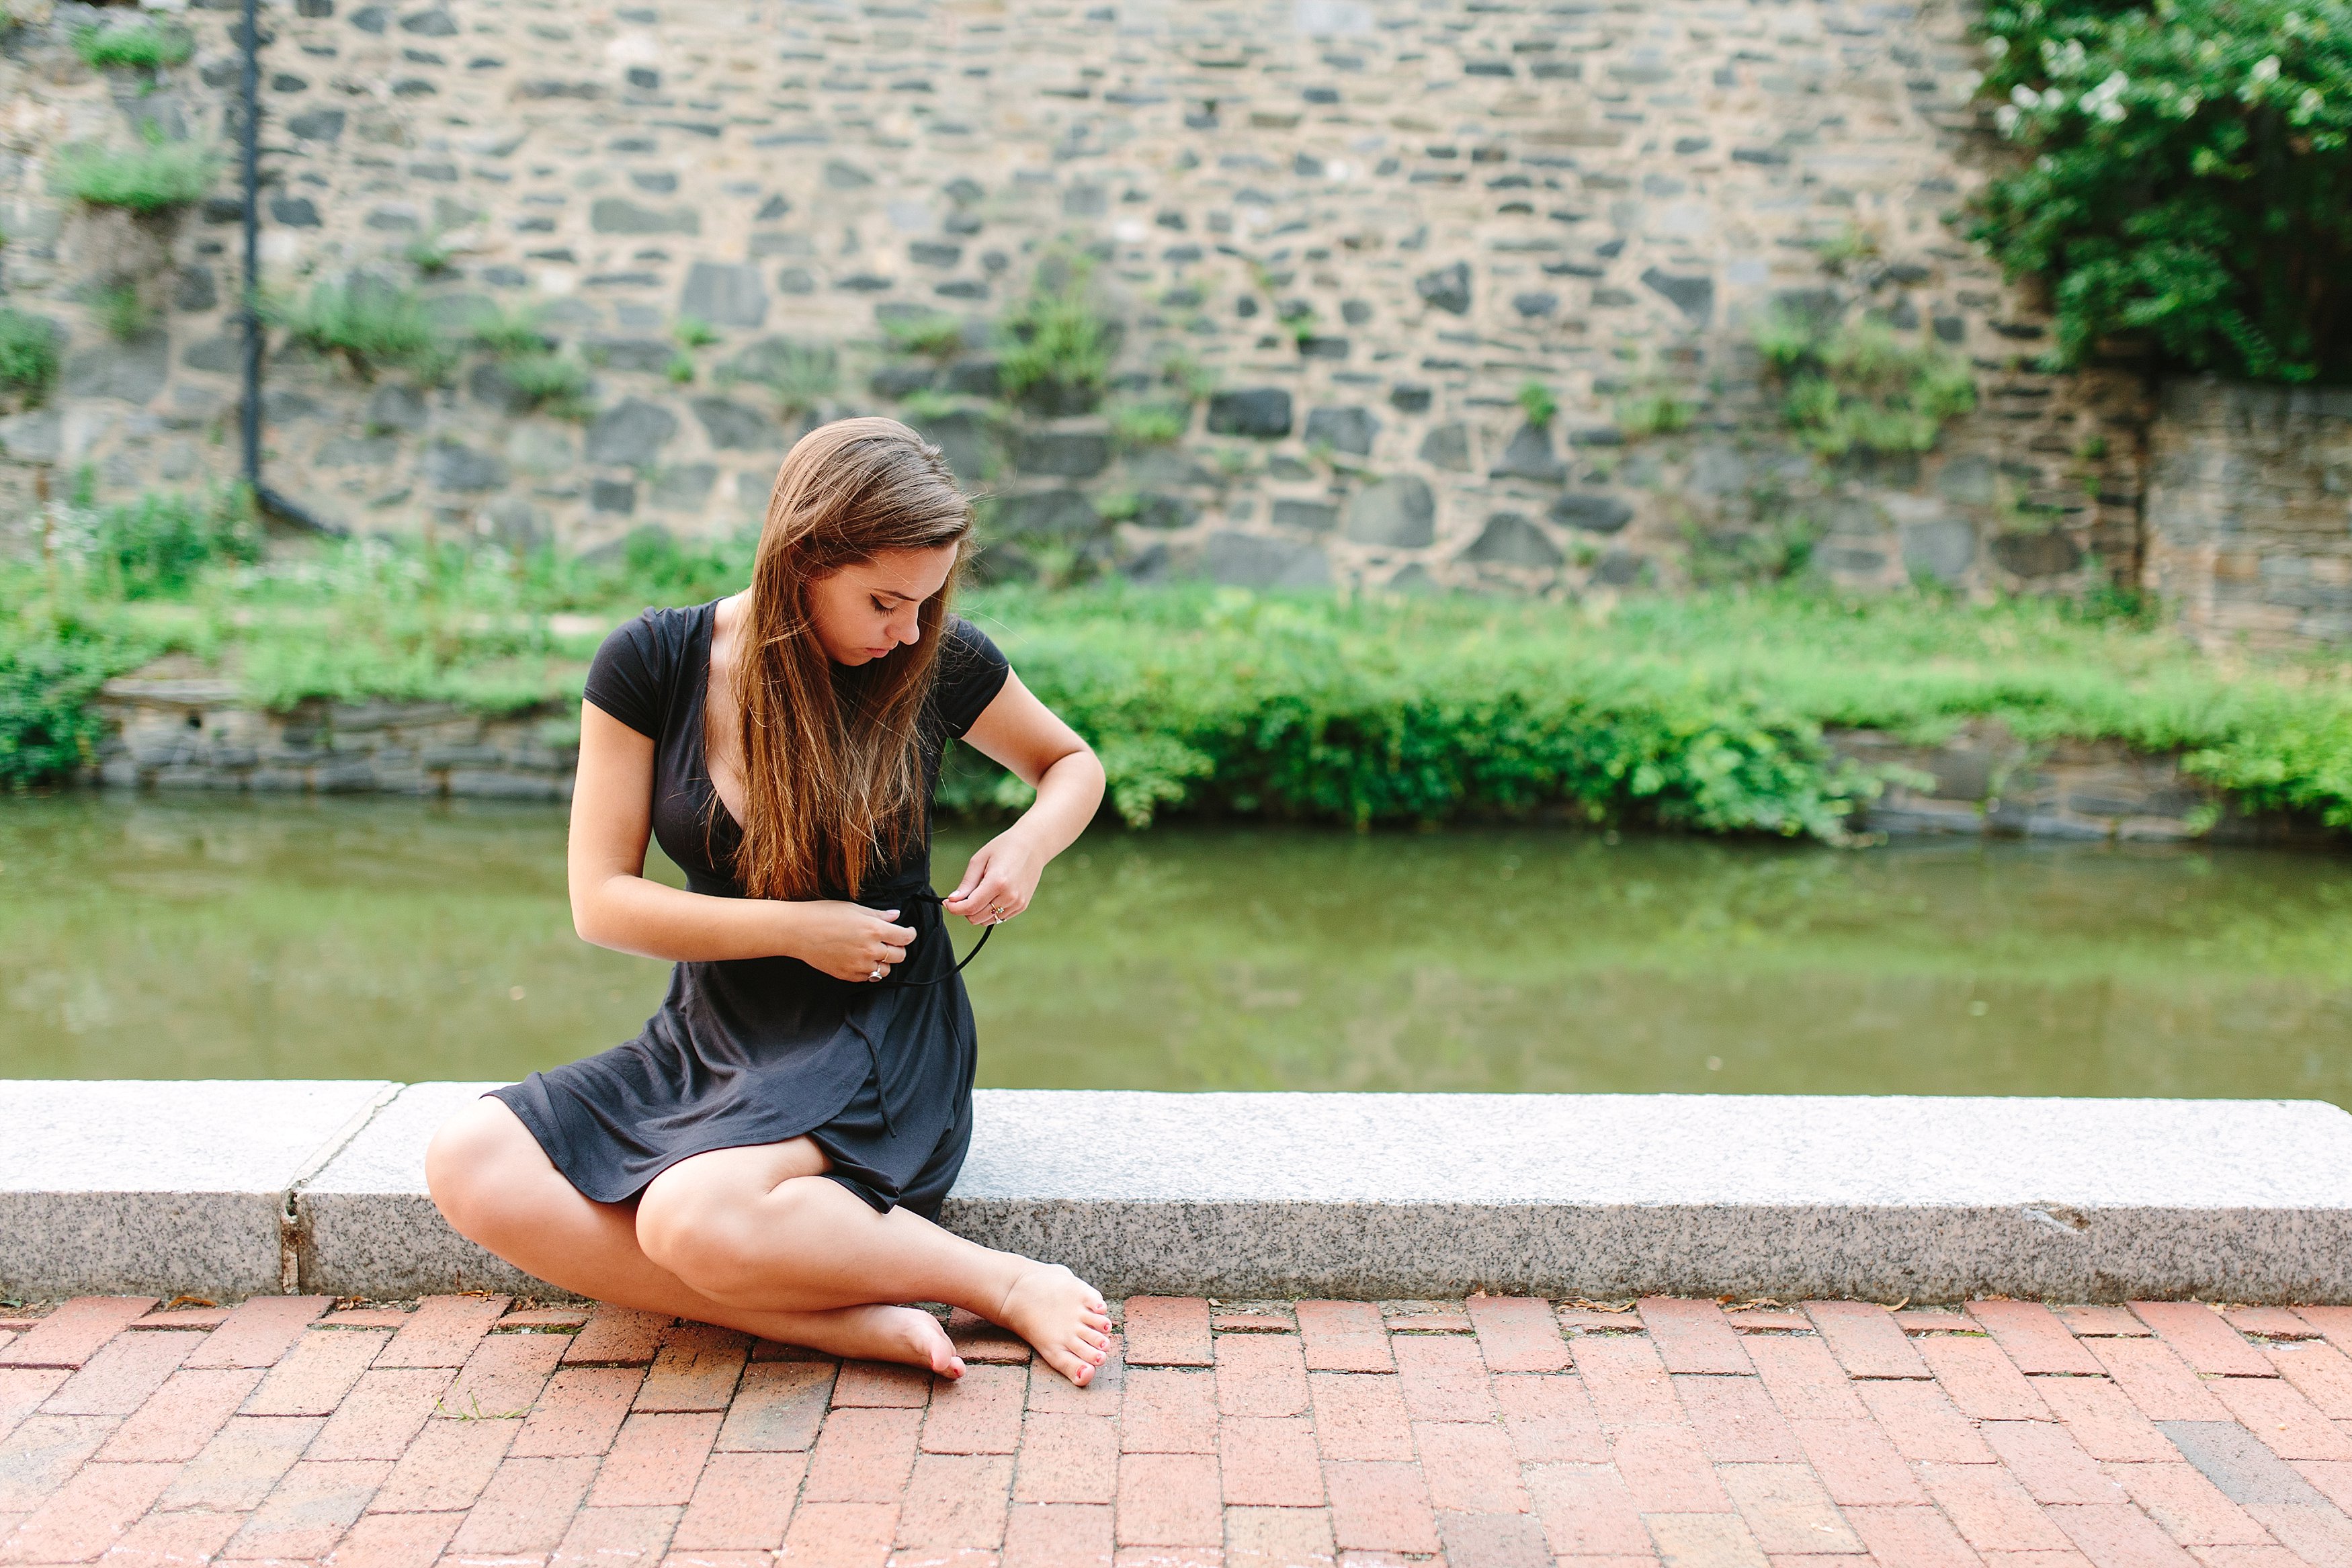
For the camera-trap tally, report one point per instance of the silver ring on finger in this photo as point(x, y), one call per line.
point(876, 973)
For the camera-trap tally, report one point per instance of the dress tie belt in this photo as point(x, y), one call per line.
point(925, 896)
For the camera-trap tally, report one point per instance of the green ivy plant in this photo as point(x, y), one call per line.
point(2185, 177)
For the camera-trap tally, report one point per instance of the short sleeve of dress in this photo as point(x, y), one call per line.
point(629, 678)
point(971, 672)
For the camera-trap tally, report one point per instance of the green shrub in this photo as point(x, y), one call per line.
point(938, 337)
point(369, 325)
point(1149, 424)
point(1057, 344)
point(28, 354)
point(1535, 400)
point(51, 667)
point(152, 178)
point(1860, 387)
point(680, 368)
point(154, 546)
point(2184, 176)
point(693, 332)
point(142, 43)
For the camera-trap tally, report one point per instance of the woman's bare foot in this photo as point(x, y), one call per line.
point(906, 1334)
point(1061, 1315)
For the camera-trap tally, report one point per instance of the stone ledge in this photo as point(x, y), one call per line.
point(1339, 1195)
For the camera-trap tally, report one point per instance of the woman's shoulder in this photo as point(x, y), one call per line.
point(972, 671)
point(640, 663)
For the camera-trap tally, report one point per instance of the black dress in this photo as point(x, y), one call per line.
point(757, 1050)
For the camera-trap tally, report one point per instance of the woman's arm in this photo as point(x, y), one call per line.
point(1031, 740)
point(615, 906)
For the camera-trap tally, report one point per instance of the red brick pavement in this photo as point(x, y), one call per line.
point(466, 1432)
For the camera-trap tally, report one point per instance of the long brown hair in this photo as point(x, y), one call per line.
point(833, 776)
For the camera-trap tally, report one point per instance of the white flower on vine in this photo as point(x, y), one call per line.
point(2007, 118)
point(1997, 46)
point(2105, 101)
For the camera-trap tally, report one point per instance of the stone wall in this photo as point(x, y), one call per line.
point(196, 734)
point(1370, 223)
point(2250, 512)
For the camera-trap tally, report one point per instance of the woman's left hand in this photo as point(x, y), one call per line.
point(999, 883)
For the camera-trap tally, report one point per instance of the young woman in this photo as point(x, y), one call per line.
point(772, 1152)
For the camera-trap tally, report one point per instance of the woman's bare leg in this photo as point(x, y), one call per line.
point(496, 1187)
point(760, 1225)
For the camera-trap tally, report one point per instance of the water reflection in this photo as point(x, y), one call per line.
point(168, 937)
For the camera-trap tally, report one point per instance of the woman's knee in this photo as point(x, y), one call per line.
point(718, 1236)
point(476, 1162)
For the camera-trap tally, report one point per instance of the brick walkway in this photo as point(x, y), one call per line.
point(1495, 1433)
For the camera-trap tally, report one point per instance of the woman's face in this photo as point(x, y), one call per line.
point(864, 612)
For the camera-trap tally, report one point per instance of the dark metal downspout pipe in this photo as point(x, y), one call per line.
point(250, 161)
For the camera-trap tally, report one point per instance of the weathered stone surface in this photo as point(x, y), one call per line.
point(452, 466)
point(1447, 446)
point(1401, 513)
point(1348, 430)
point(1939, 548)
point(1254, 560)
point(395, 406)
point(619, 215)
point(1447, 289)
point(1694, 296)
point(1061, 513)
point(683, 487)
point(724, 295)
point(31, 437)
point(1261, 412)
point(1510, 540)
point(730, 427)
point(1308, 517)
point(631, 435)
point(1593, 513)
point(129, 371)
point(2046, 554)
point(966, 440)
point(1064, 454)
point(1529, 456)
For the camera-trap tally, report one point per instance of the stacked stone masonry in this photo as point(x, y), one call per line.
point(200, 733)
point(1370, 223)
point(2250, 512)
point(1487, 1434)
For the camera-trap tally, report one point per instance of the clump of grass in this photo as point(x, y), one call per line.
point(1858, 386)
point(370, 326)
point(28, 355)
point(150, 178)
point(694, 333)
point(1119, 506)
point(801, 377)
point(154, 546)
point(1537, 404)
point(1654, 413)
point(428, 256)
point(140, 44)
point(550, 384)
point(1058, 344)
point(680, 369)
point(937, 337)
point(123, 311)
point(509, 334)
point(1189, 376)
point(924, 404)
point(1149, 424)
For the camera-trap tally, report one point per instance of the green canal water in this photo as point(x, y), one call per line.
point(165, 937)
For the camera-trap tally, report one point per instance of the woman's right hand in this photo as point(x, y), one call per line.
point(849, 941)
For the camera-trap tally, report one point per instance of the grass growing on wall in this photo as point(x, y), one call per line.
point(1703, 713)
point(153, 177)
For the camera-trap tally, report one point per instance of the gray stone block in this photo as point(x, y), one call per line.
point(618, 215)
point(1510, 540)
point(1529, 456)
point(1261, 412)
point(157, 1187)
point(734, 427)
point(724, 294)
point(1447, 289)
point(365, 1225)
point(1348, 430)
point(1249, 560)
point(1400, 513)
point(131, 371)
point(631, 435)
